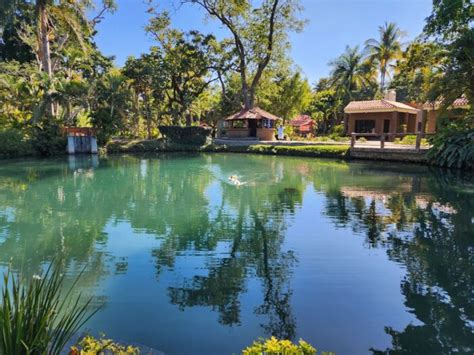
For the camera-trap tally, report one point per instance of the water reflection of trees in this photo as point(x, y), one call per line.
point(438, 287)
point(425, 225)
point(48, 210)
point(255, 231)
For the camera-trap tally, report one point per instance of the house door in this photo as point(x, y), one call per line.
point(386, 126)
point(252, 128)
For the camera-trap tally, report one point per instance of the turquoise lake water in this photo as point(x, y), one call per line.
point(354, 257)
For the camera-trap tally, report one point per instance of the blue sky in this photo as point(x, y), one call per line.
point(332, 25)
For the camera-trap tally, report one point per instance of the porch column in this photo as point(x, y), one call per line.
point(394, 123)
point(350, 123)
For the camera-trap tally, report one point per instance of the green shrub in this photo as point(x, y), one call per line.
point(322, 139)
point(194, 135)
point(273, 346)
point(47, 139)
point(362, 140)
point(409, 140)
point(338, 130)
point(14, 144)
point(35, 318)
point(136, 146)
point(453, 146)
point(92, 346)
point(343, 139)
point(305, 150)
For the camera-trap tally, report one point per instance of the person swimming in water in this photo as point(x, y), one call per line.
point(235, 180)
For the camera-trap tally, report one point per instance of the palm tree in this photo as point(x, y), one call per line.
point(386, 49)
point(350, 72)
point(67, 20)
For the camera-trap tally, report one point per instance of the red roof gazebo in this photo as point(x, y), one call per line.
point(302, 124)
point(253, 122)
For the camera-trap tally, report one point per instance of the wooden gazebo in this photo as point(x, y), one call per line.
point(251, 123)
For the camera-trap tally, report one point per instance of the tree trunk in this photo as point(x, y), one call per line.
point(264, 62)
point(45, 54)
point(44, 50)
point(246, 97)
point(148, 117)
point(382, 79)
point(189, 120)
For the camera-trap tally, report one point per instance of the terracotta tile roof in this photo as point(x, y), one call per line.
point(459, 102)
point(378, 106)
point(304, 129)
point(255, 113)
point(301, 120)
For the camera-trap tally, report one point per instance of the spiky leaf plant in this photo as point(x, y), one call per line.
point(37, 317)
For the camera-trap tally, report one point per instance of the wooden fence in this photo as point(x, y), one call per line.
point(386, 136)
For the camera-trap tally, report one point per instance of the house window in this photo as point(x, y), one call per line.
point(239, 124)
point(364, 126)
point(267, 123)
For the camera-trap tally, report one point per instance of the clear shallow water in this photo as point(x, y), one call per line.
point(353, 257)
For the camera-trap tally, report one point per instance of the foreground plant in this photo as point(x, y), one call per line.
point(36, 317)
point(273, 346)
point(453, 146)
point(92, 346)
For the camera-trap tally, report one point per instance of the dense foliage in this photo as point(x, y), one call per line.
point(13, 144)
point(451, 26)
point(453, 146)
point(53, 75)
point(190, 135)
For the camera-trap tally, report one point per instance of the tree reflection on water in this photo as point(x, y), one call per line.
point(52, 210)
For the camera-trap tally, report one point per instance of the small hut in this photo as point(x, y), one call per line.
point(302, 125)
point(81, 140)
point(251, 123)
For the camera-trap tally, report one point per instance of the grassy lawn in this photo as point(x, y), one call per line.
point(159, 145)
point(337, 151)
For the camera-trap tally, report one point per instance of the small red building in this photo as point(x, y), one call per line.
point(302, 124)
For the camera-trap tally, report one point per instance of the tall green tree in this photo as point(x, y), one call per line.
point(450, 25)
point(147, 80)
point(351, 74)
point(110, 104)
point(286, 94)
point(385, 50)
point(258, 34)
point(52, 26)
point(418, 67)
point(188, 62)
point(326, 108)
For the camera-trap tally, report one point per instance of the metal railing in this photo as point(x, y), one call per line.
point(386, 136)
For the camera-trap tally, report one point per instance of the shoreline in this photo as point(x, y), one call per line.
point(329, 150)
point(324, 150)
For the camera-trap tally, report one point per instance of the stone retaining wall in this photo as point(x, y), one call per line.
point(401, 155)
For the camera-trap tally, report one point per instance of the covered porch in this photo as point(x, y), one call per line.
point(380, 116)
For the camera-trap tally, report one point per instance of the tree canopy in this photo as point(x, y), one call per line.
point(53, 73)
